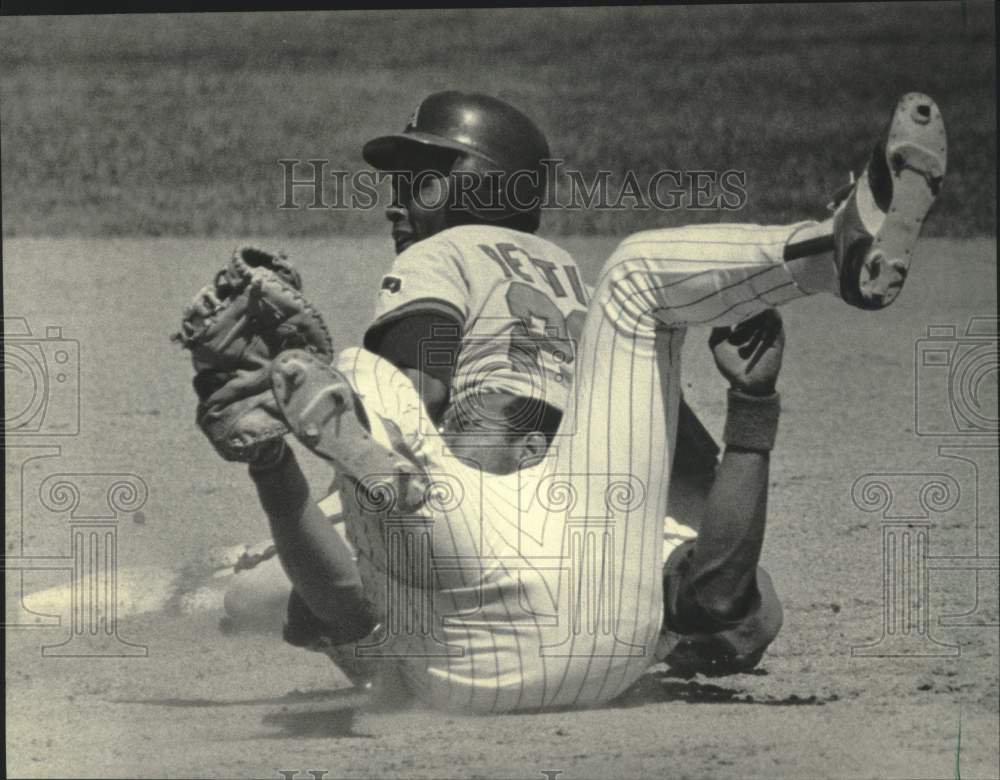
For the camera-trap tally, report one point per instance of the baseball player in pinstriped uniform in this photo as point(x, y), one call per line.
point(540, 587)
point(485, 327)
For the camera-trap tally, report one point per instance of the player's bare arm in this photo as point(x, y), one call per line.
point(316, 558)
point(253, 310)
point(713, 590)
point(400, 342)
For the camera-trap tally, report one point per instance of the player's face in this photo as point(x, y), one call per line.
point(496, 452)
point(419, 207)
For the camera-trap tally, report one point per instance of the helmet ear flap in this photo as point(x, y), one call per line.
point(476, 189)
point(482, 191)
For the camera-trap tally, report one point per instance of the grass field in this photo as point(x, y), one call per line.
point(145, 126)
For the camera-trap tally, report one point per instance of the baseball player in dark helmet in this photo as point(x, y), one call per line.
point(470, 278)
point(491, 154)
point(466, 160)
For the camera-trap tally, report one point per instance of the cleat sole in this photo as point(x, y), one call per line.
point(916, 153)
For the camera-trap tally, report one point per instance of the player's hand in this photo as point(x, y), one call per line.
point(749, 354)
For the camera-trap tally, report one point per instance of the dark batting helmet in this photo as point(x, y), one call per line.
point(496, 173)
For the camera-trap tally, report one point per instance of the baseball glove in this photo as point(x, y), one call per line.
point(253, 310)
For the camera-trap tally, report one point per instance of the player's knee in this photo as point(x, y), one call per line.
point(767, 617)
point(710, 643)
point(350, 617)
point(719, 608)
point(756, 612)
point(697, 604)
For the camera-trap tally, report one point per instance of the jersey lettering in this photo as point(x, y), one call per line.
point(549, 269)
point(507, 251)
point(516, 297)
point(492, 255)
point(504, 256)
point(576, 284)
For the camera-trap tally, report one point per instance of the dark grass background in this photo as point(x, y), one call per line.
point(172, 125)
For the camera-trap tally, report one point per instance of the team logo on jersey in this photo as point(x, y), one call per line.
point(392, 284)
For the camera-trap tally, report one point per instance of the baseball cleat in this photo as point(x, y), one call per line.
point(877, 225)
point(323, 412)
